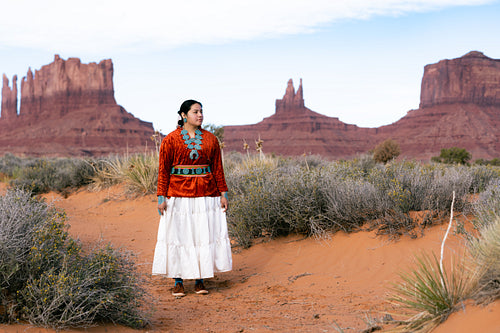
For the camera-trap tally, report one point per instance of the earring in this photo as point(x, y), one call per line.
point(185, 120)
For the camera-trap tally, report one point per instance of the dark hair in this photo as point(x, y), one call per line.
point(185, 107)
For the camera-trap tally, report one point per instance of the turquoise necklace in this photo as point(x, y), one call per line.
point(193, 143)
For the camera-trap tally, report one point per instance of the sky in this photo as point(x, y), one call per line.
point(361, 61)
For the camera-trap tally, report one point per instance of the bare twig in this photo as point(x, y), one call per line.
point(446, 235)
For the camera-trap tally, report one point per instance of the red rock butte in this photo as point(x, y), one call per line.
point(459, 107)
point(68, 109)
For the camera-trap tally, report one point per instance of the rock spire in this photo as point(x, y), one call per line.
point(291, 102)
point(9, 99)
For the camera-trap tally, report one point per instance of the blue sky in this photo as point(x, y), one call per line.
point(360, 60)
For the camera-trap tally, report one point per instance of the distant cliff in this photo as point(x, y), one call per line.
point(459, 106)
point(473, 78)
point(68, 108)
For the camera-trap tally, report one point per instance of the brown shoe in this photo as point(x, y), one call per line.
point(200, 289)
point(178, 290)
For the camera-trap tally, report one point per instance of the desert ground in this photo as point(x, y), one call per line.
point(339, 283)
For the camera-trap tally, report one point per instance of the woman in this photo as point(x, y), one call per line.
point(193, 241)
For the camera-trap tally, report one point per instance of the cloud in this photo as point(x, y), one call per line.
point(104, 25)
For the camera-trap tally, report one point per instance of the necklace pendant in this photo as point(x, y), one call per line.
point(194, 154)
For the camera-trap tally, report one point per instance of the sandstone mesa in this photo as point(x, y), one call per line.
point(459, 106)
point(68, 109)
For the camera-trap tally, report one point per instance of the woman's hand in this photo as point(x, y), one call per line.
point(224, 202)
point(162, 204)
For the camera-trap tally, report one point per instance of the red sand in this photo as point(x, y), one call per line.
point(290, 284)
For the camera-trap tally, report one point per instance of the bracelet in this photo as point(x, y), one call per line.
point(225, 195)
point(161, 199)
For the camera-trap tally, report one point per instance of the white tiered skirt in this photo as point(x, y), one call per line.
point(192, 242)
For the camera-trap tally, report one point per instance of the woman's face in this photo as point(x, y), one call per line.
point(195, 115)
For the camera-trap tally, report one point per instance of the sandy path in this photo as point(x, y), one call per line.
point(286, 285)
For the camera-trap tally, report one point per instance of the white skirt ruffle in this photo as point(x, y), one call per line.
point(192, 241)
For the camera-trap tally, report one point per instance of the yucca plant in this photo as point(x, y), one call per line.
point(107, 172)
point(141, 173)
point(430, 293)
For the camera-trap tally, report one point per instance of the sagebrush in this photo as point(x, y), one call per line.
point(47, 279)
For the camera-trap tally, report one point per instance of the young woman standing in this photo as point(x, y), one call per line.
point(192, 241)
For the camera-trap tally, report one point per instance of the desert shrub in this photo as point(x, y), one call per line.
point(386, 151)
point(252, 184)
point(445, 181)
point(486, 251)
point(364, 162)
point(453, 155)
point(298, 203)
point(20, 217)
point(429, 293)
point(494, 162)
point(482, 176)
point(487, 206)
point(60, 175)
point(10, 165)
point(309, 161)
point(277, 196)
point(99, 287)
point(48, 280)
point(404, 183)
point(351, 202)
point(412, 186)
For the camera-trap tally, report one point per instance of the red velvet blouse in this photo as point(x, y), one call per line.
point(174, 152)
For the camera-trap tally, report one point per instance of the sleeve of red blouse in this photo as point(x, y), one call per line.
point(217, 168)
point(164, 167)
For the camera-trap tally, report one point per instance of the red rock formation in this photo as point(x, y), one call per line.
point(294, 130)
point(68, 108)
point(9, 99)
point(63, 86)
point(291, 102)
point(473, 78)
point(459, 107)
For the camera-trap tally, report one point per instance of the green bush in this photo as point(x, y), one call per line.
point(453, 155)
point(48, 280)
point(493, 162)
